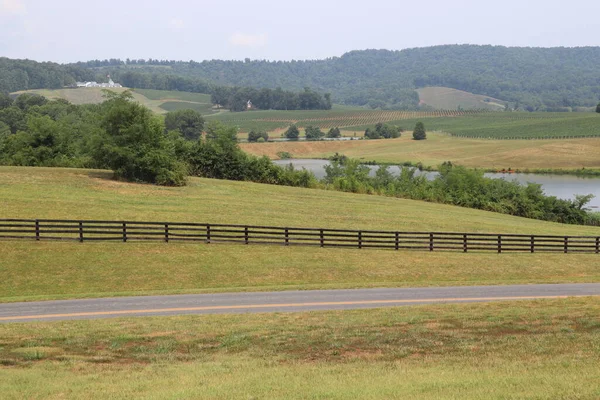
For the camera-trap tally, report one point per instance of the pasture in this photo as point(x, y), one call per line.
point(43, 270)
point(439, 147)
point(544, 349)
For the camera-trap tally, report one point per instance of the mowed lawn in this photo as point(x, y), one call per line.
point(546, 349)
point(439, 147)
point(47, 270)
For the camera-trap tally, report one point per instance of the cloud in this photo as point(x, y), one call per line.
point(12, 7)
point(247, 40)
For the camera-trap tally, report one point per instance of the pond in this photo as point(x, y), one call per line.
point(561, 186)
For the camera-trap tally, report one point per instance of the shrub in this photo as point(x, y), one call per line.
point(419, 132)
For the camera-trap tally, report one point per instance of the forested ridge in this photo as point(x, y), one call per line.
point(532, 79)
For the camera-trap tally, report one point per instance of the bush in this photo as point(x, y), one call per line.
point(256, 136)
point(383, 131)
point(334, 133)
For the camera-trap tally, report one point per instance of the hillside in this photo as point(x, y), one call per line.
point(442, 98)
point(544, 79)
point(159, 101)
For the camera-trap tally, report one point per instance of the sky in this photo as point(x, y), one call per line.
point(80, 30)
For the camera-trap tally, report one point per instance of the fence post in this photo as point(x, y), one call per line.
point(80, 231)
point(124, 232)
point(287, 237)
point(532, 243)
point(499, 244)
point(397, 241)
point(167, 233)
point(207, 233)
point(566, 244)
point(37, 230)
point(322, 238)
point(597, 245)
point(465, 243)
point(431, 241)
point(359, 239)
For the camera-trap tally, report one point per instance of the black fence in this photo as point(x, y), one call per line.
point(125, 231)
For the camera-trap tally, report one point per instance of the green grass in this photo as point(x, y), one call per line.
point(184, 105)
point(46, 270)
point(536, 349)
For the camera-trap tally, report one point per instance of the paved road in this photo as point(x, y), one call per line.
point(281, 301)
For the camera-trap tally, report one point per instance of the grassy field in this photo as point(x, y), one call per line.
point(443, 98)
point(45, 270)
point(159, 101)
point(536, 349)
point(493, 154)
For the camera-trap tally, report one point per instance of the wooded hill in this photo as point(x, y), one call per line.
point(553, 79)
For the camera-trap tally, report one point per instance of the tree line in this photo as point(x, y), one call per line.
point(531, 79)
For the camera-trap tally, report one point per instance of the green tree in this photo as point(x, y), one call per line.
point(334, 133)
point(313, 133)
point(5, 100)
point(255, 136)
point(134, 145)
point(187, 122)
point(598, 108)
point(419, 132)
point(292, 132)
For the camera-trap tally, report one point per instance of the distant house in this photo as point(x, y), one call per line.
point(110, 84)
point(249, 105)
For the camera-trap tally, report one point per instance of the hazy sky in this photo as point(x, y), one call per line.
point(78, 30)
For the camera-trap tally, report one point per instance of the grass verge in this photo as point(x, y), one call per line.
point(543, 349)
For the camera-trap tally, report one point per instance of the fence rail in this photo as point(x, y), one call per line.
point(125, 231)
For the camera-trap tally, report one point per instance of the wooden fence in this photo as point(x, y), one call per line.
point(125, 231)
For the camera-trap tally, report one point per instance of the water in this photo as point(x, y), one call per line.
point(561, 186)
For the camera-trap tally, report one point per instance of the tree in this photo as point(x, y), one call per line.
point(598, 108)
point(255, 136)
point(5, 100)
point(419, 132)
point(313, 133)
point(134, 145)
point(292, 132)
point(334, 133)
point(189, 123)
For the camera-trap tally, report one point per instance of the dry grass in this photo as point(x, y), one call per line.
point(480, 153)
point(534, 349)
point(443, 98)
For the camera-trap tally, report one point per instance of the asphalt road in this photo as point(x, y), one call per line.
point(292, 301)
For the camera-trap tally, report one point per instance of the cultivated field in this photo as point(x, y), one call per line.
point(536, 350)
point(159, 101)
point(349, 118)
point(439, 147)
point(443, 98)
point(42, 270)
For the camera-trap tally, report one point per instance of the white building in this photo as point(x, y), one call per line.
point(110, 84)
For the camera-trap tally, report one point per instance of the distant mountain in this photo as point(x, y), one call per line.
point(528, 78)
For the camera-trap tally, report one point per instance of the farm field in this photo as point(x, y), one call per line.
point(342, 117)
point(443, 98)
point(544, 349)
point(440, 147)
point(46, 270)
point(159, 101)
